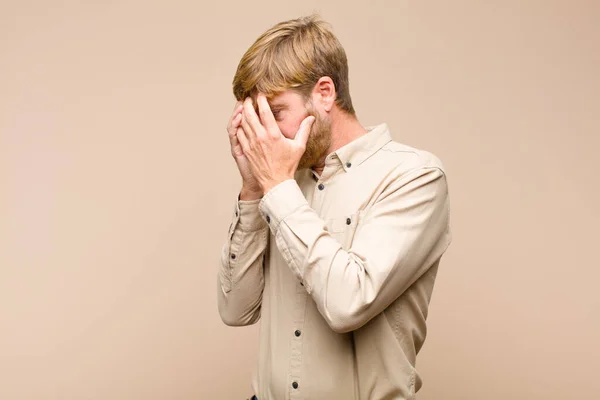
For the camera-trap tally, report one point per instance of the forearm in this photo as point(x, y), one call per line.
point(240, 280)
point(396, 241)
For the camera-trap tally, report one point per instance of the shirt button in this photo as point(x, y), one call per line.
point(321, 186)
point(295, 385)
point(297, 333)
point(268, 219)
point(301, 284)
point(348, 221)
point(236, 213)
point(348, 164)
point(233, 256)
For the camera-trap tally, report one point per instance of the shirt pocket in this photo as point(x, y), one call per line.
point(343, 227)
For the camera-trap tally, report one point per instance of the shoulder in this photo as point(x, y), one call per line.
point(408, 159)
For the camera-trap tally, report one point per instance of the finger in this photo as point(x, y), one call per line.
point(249, 133)
point(304, 131)
point(238, 104)
point(235, 123)
point(251, 117)
point(234, 138)
point(236, 111)
point(266, 115)
point(235, 142)
point(243, 139)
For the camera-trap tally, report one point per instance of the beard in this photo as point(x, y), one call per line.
point(319, 141)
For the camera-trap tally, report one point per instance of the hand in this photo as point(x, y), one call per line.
point(249, 182)
point(272, 157)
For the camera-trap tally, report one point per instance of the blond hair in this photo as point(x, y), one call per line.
point(294, 54)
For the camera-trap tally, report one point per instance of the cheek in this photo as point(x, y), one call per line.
point(284, 130)
point(288, 129)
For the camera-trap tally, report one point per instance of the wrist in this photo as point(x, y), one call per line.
point(250, 194)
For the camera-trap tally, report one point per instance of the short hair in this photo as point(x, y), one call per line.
point(294, 54)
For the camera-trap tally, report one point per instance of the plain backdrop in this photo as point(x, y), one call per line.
point(117, 187)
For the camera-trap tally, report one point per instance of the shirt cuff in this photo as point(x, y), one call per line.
point(248, 214)
point(281, 201)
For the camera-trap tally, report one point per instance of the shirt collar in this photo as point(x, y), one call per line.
point(354, 153)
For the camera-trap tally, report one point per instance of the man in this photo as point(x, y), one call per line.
point(337, 232)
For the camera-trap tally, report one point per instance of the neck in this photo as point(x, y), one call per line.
point(344, 129)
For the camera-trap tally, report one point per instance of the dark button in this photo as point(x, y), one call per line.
point(236, 213)
point(348, 221)
point(297, 333)
point(233, 256)
point(301, 284)
point(295, 385)
point(268, 219)
point(321, 186)
point(348, 164)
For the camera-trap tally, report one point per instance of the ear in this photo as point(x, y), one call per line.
point(324, 93)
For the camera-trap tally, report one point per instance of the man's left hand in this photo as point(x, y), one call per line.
point(273, 158)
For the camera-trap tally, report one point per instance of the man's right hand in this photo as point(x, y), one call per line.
point(251, 190)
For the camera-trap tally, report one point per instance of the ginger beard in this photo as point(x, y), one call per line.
point(319, 140)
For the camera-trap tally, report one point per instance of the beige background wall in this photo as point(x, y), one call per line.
point(117, 186)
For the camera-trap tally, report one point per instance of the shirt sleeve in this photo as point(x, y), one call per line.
point(403, 233)
point(240, 281)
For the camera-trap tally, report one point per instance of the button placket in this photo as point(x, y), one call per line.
point(296, 344)
point(234, 223)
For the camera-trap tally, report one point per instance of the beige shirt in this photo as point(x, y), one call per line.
point(340, 269)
